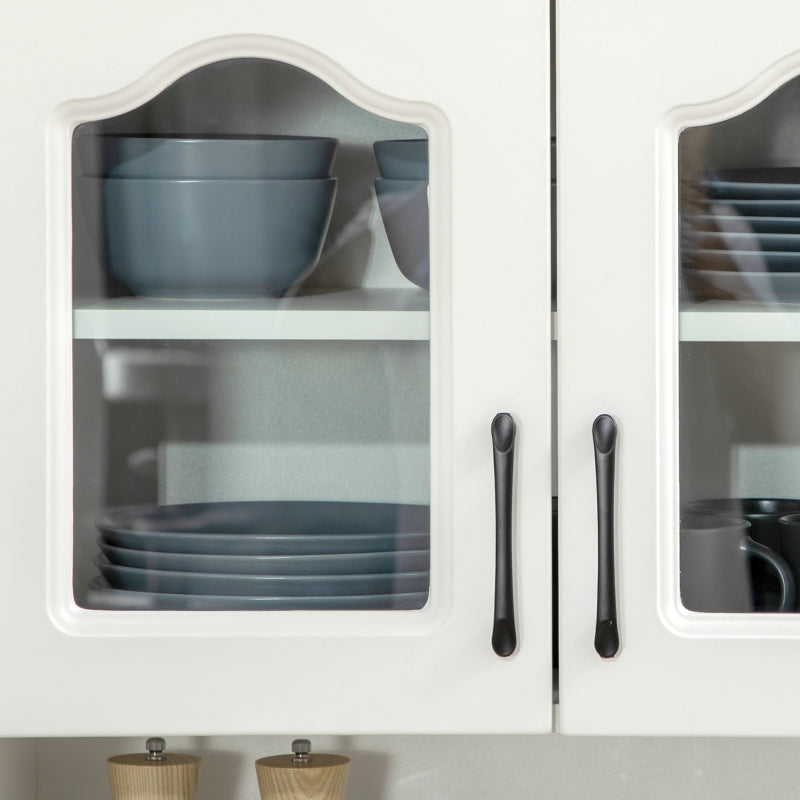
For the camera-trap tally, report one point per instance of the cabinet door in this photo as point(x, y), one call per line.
point(371, 390)
point(678, 303)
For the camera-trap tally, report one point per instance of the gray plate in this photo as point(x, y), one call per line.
point(151, 580)
point(743, 240)
point(102, 595)
point(280, 527)
point(739, 224)
point(765, 208)
point(745, 260)
point(326, 564)
point(749, 190)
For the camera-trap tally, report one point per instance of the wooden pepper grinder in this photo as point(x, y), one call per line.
point(302, 776)
point(153, 775)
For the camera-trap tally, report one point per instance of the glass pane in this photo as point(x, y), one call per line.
point(251, 368)
point(740, 360)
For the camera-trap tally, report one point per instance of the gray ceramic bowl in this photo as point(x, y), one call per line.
point(406, 159)
point(124, 156)
point(214, 238)
point(404, 210)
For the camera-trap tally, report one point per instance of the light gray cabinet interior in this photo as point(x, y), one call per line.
point(740, 432)
point(177, 422)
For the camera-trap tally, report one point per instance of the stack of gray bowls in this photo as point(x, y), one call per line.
point(402, 192)
point(279, 555)
point(210, 217)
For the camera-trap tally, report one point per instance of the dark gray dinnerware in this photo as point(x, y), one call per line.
point(169, 582)
point(256, 544)
point(745, 260)
point(762, 207)
point(102, 595)
point(324, 564)
point(406, 159)
point(714, 565)
point(763, 514)
point(790, 543)
point(755, 183)
point(270, 527)
point(404, 210)
point(721, 219)
point(198, 157)
point(210, 239)
point(748, 190)
point(745, 240)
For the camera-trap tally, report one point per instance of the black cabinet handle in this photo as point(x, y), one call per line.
point(606, 633)
point(504, 632)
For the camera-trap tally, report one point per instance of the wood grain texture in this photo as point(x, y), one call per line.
point(132, 777)
point(323, 778)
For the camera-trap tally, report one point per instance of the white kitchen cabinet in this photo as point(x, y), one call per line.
point(370, 389)
point(476, 84)
point(687, 336)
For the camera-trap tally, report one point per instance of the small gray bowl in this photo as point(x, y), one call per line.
point(191, 157)
point(404, 159)
point(213, 239)
point(404, 210)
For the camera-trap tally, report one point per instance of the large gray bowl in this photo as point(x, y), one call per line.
point(404, 210)
point(125, 156)
point(214, 238)
point(406, 159)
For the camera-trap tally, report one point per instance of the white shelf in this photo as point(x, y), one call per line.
point(366, 314)
point(721, 321)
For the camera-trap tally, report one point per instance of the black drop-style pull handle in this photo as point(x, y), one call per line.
point(504, 632)
point(606, 633)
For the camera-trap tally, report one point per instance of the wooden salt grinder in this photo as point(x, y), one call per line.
point(153, 775)
point(302, 776)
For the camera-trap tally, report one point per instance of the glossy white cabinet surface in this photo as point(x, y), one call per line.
point(626, 92)
point(478, 82)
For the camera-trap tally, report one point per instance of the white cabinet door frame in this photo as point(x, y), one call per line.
point(487, 77)
point(629, 80)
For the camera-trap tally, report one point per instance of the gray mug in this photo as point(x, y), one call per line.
point(790, 542)
point(763, 514)
point(715, 553)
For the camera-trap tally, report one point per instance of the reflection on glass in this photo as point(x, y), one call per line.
point(258, 470)
point(262, 470)
point(739, 436)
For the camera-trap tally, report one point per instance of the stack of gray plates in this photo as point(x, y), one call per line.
point(741, 239)
point(264, 555)
point(195, 217)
